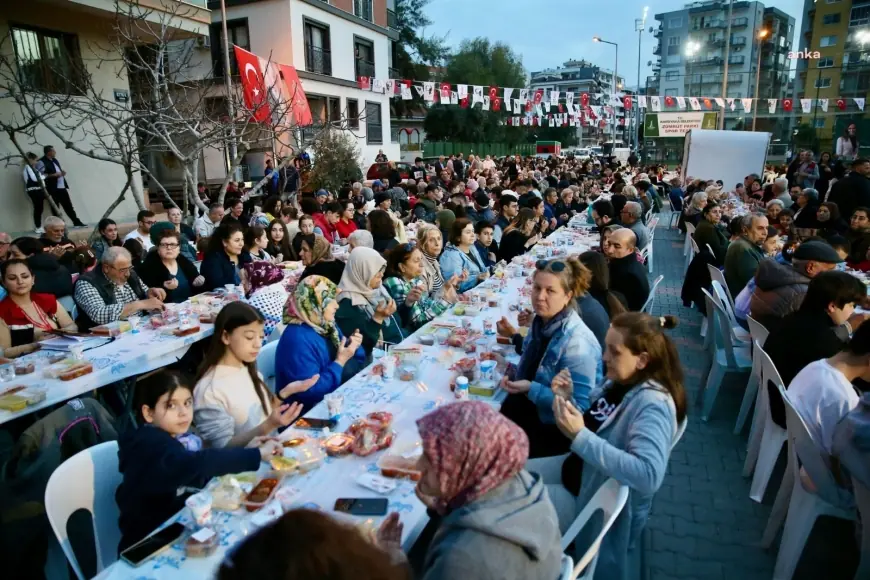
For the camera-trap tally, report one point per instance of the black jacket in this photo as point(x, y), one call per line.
point(512, 244)
point(329, 269)
point(218, 271)
point(628, 277)
point(698, 278)
point(850, 192)
point(154, 273)
point(48, 168)
point(52, 277)
point(385, 245)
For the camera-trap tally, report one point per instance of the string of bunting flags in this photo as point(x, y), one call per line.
point(539, 106)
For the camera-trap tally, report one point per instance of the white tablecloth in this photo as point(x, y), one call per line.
point(336, 478)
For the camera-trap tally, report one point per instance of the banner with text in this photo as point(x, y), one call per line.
point(676, 124)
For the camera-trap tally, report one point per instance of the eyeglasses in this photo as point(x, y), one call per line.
point(552, 265)
point(169, 246)
point(122, 270)
point(150, 222)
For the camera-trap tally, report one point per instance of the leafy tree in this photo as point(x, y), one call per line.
point(336, 161)
point(414, 52)
point(805, 135)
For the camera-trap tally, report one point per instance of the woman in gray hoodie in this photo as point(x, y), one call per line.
point(627, 434)
point(497, 522)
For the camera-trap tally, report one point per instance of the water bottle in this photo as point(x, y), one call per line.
point(336, 243)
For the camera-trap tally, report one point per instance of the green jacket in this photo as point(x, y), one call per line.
point(350, 318)
point(707, 233)
point(741, 263)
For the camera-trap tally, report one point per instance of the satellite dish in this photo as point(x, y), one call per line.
point(649, 63)
point(651, 29)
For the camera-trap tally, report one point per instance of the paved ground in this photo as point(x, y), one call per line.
point(703, 524)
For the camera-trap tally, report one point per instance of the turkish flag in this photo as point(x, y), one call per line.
point(787, 105)
point(295, 94)
point(626, 101)
point(495, 103)
point(493, 92)
point(253, 87)
point(528, 106)
point(841, 104)
point(584, 99)
point(463, 102)
point(445, 92)
point(602, 124)
point(539, 96)
point(669, 101)
point(364, 83)
point(708, 103)
point(561, 110)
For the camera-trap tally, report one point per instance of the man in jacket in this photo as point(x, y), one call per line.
point(627, 275)
point(426, 208)
point(631, 219)
point(780, 288)
point(481, 211)
point(808, 172)
point(859, 235)
point(510, 207)
point(204, 226)
point(56, 184)
point(744, 254)
point(853, 190)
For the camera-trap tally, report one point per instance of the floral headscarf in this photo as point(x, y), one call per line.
point(363, 264)
point(473, 449)
point(307, 303)
point(322, 250)
point(262, 273)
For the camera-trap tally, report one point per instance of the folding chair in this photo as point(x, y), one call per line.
point(610, 498)
point(726, 355)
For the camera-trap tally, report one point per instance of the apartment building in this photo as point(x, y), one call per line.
point(331, 43)
point(578, 77)
point(690, 54)
point(834, 62)
point(41, 35)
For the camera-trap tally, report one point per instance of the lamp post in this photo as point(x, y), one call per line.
point(228, 85)
point(727, 57)
point(639, 25)
point(692, 48)
point(615, 77)
point(762, 34)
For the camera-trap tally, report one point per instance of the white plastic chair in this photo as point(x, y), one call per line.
point(690, 232)
point(650, 301)
point(266, 363)
point(758, 333)
point(610, 498)
point(567, 572)
point(805, 506)
point(87, 480)
point(862, 498)
point(727, 356)
point(647, 255)
point(718, 275)
point(721, 292)
point(691, 248)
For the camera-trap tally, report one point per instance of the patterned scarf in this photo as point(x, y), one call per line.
point(306, 306)
point(433, 272)
point(473, 450)
point(262, 274)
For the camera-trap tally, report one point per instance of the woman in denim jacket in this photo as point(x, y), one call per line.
point(461, 256)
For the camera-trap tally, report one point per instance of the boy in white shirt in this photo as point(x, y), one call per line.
point(142, 234)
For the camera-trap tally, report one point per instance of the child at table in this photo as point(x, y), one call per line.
point(161, 463)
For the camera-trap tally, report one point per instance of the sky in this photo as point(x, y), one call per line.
point(546, 33)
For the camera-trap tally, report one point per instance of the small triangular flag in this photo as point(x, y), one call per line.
point(681, 102)
point(771, 106)
point(696, 105)
point(859, 102)
point(747, 105)
point(823, 103)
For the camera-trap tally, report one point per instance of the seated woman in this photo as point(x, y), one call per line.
point(519, 236)
point(805, 209)
point(626, 434)
point(430, 242)
point(264, 290)
point(710, 230)
point(255, 245)
point(232, 404)
point(405, 284)
point(26, 316)
point(461, 258)
point(773, 208)
point(383, 230)
point(316, 255)
point(108, 237)
point(345, 224)
point(495, 518)
point(166, 268)
point(828, 221)
point(312, 345)
point(305, 228)
point(188, 236)
point(364, 303)
point(221, 263)
point(270, 212)
point(51, 276)
point(279, 243)
point(558, 340)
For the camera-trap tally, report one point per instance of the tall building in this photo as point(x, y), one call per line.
point(833, 63)
point(578, 77)
point(690, 55)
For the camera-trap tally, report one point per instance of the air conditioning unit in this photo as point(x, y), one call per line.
point(203, 41)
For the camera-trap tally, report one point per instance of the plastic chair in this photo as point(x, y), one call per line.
point(567, 572)
point(805, 506)
point(87, 480)
point(647, 255)
point(610, 498)
point(726, 355)
point(719, 276)
point(862, 498)
point(721, 292)
point(758, 333)
point(690, 232)
point(650, 301)
point(772, 436)
point(266, 363)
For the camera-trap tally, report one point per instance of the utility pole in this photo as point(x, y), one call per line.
point(762, 34)
point(639, 25)
point(228, 83)
point(725, 68)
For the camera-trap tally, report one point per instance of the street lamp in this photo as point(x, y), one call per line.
point(692, 49)
point(762, 34)
point(615, 77)
point(639, 25)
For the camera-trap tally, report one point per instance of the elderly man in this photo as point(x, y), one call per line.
point(744, 254)
point(113, 291)
point(808, 171)
point(360, 239)
point(5, 240)
point(780, 288)
point(627, 275)
point(356, 191)
point(631, 219)
point(779, 188)
point(481, 210)
point(142, 234)
point(204, 226)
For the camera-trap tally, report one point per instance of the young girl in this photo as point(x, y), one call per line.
point(232, 403)
point(255, 245)
point(160, 457)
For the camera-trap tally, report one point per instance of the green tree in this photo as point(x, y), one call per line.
point(336, 161)
point(414, 52)
point(805, 135)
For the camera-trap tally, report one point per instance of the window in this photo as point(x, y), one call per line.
point(673, 45)
point(374, 129)
point(318, 58)
point(353, 113)
point(831, 18)
point(364, 57)
point(828, 41)
point(675, 22)
point(818, 123)
point(860, 16)
point(672, 75)
point(48, 61)
point(826, 62)
point(673, 59)
point(363, 9)
point(237, 32)
point(670, 92)
point(823, 83)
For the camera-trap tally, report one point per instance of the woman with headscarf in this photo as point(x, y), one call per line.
point(265, 291)
point(316, 255)
point(364, 304)
point(312, 343)
point(494, 515)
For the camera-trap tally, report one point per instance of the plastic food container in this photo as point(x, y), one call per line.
point(194, 548)
point(112, 328)
point(309, 455)
point(263, 491)
point(283, 464)
point(397, 466)
point(338, 444)
point(24, 368)
point(483, 389)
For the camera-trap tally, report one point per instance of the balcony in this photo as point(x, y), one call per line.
point(318, 60)
point(187, 19)
point(737, 60)
point(657, 50)
point(739, 41)
point(739, 22)
point(392, 20)
point(395, 73)
point(364, 68)
point(657, 33)
point(715, 61)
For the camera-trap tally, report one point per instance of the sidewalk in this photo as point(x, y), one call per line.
point(703, 524)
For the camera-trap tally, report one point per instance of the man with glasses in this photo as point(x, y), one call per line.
point(142, 234)
point(630, 216)
point(5, 240)
point(113, 291)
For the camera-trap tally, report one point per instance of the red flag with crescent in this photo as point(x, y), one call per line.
point(539, 96)
point(445, 92)
point(584, 99)
point(669, 101)
point(496, 104)
point(841, 104)
point(493, 92)
point(296, 95)
point(253, 88)
point(787, 105)
point(626, 101)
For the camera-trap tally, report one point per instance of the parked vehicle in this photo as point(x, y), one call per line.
point(382, 171)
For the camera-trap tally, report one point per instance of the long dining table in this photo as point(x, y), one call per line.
point(368, 392)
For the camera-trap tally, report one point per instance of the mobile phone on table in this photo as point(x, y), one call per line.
point(362, 506)
point(311, 423)
point(153, 544)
